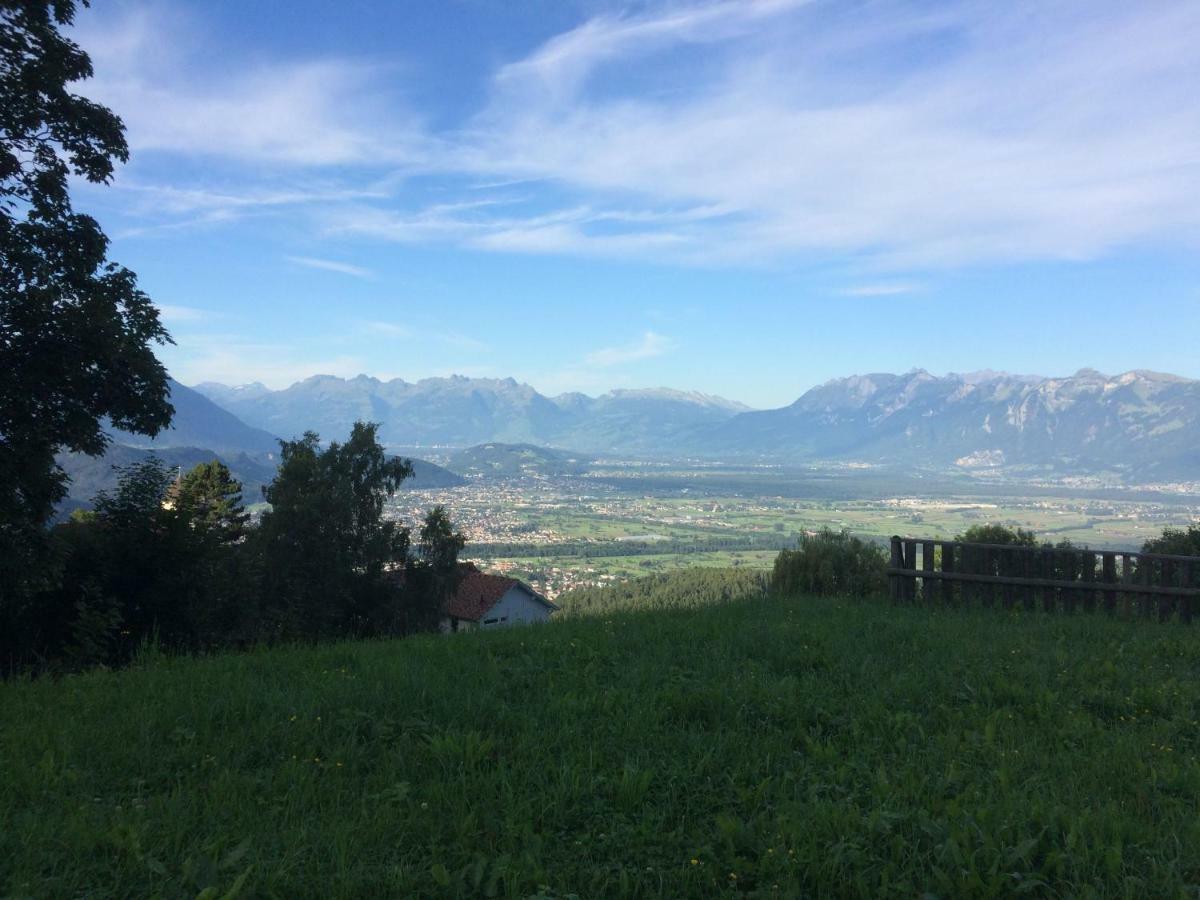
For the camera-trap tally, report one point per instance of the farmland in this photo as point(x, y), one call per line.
point(618, 521)
point(770, 748)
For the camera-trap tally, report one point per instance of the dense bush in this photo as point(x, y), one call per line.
point(693, 587)
point(175, 562)
point(831, 563)
point(1176, 542)
point(994, 533)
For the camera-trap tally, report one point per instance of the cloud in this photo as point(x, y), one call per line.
point(387, 329)
point(174, 315)
point(329, 265)
point(231, 359)
point(151, 65)
point(881, 290)
point(648, 346)
point(899, 134)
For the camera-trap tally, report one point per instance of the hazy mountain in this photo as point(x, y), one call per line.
point(1139, 422)
point(199, 422)
point(459, 411)
point(430, 475)
point(90, 474)
point(496, 460)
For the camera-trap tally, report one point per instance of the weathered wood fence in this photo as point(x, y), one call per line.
point(952, 572)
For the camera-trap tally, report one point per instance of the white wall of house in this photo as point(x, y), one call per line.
point(515, 607)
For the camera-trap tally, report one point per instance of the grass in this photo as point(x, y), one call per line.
point(767, 748)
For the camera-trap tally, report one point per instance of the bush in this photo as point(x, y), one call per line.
point(831, 563)
point(1176, 542)
point(996, 533)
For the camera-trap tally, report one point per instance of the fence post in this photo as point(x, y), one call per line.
point(1168, 581)
point(1049, 594)
point(910, 562)
point(897, 563)
point(929, 590)
point(1146, 577)
point(948, 566)
point(1126, 578)
point(1110, 577)
point(1087, 576)
point(1185, 602)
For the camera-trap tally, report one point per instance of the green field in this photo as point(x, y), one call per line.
point(765, 748)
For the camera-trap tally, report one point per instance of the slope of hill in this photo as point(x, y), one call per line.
point(1141, 423)
point(796, 748)
point(430, 475)
point(200, 422)
point(91, 474)
point(1138, 424)
point(495, 460)
point(458, 412)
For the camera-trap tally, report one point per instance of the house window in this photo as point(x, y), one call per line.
point(489, 621)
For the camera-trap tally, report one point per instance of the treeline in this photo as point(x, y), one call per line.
point(599, 549)
point(836, 563)
point(174, 561)
point(684, 588)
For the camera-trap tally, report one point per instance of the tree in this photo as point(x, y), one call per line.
point(998, 534)
point(76, 333)
point(1175, 542)
point(325, 544)
point(211, 499)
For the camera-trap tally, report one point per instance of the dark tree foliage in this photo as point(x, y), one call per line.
point(325, 545)
point(1175, 542)
point(831, 563)
point(431, 578)
point(683, 589)
point(212, 500)
point(76, 333)
point(995, 533)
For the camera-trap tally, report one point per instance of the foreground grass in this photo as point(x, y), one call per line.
point(782, 748)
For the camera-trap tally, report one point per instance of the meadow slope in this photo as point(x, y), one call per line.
point(765, 748)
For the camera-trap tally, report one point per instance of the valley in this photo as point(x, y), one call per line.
point(625, 519)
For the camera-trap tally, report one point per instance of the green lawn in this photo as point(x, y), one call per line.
point(775, 749)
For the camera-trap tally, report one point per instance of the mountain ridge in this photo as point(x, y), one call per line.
point(1139, 422)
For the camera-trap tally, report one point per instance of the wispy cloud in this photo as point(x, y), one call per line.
point(387, 329)
point(881, 290)
point(913, 137)
point(174, 315)
point(330, 265)
point(647, 346)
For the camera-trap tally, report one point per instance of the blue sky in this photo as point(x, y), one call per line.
point(742, 198)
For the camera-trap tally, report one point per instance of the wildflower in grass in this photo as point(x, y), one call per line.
point(695, 862)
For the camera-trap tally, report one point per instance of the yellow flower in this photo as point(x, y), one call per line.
point(695, 862)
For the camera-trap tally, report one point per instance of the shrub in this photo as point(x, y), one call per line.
point(1176, 542)
point(831, 563)
point(995, 533)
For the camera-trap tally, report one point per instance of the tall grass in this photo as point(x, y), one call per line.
point(766, 748)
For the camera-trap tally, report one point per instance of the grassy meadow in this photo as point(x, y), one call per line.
point(776, 748)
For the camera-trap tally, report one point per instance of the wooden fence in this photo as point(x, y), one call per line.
point(954, 573)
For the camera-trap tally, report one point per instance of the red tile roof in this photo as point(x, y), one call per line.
point(478, 592)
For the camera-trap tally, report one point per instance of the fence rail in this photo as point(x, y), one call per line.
point(953, 572)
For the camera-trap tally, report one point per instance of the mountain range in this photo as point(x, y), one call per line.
point(1140, 424)
point(461, 412)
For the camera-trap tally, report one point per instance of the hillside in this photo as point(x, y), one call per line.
point(1138, 423)
point(1142, 425)
point(775, 749)
point(516, 461)
point(89, 474)
point(459, 411)
point(199, 422)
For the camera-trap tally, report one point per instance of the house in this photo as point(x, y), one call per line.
point(493, 601)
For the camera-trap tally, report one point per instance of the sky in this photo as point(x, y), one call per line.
point(740, 198)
